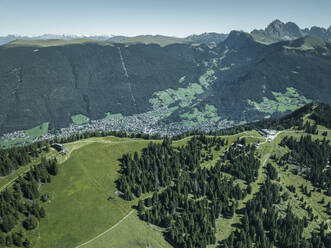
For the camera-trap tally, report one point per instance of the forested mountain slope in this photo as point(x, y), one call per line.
point(266, 187)
point(156, 89)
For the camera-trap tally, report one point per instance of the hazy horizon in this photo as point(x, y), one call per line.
point(170, 18)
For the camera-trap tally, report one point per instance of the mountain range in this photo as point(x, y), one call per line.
point(274, 32)
point(9, 38)
point(167, 87)
point(277, 31)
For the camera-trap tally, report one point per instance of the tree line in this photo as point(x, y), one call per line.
point(263, 225)
point(241, 161)
point(20, 204)
point(12, 158)
point(187, 198)
point(312, 157)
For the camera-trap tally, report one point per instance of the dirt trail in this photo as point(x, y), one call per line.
point(109, 229)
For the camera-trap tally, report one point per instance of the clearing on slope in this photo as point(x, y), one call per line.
point(83, 201)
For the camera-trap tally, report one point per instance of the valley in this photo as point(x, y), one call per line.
point(208, 88)
point(165, 124)
point(84, 196)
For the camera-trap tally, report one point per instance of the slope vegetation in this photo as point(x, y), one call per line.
point(83, 197)
point(129, 192)
point(157, 89)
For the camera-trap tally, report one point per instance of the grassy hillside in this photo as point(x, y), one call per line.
point(79, 119)
point(82, 196)
point(133, 233)
point(85, 208)
point(83, 199)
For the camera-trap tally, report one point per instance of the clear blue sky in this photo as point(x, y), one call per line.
point(167, 17)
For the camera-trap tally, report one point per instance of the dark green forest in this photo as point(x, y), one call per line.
point(187, 199)
point(20, 204)
point(312, 158)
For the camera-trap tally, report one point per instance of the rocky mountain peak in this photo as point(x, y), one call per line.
point(238, 39)
point(281, 31)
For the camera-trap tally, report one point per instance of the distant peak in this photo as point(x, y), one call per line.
point(238, 39)
point(275, 25)
point(276, 22)
point(278, 30)
point(239, 35)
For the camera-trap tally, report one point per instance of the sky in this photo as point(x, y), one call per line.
point(166, 17)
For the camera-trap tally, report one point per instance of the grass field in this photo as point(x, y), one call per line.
point(290, 100)
point(37, 131)
point(8, 143)
point(132, 233)
point(79, 119)
point(209, 114)
point(185, 96)
point(113, 116)
point(79, 194)
point(31, 133)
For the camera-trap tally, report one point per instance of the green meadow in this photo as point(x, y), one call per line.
point(289, 100)
point(79, 119)
point(83, 201)
point(85, 209)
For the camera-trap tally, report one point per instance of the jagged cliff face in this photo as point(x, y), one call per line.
point(278, 31)
point(238, 81)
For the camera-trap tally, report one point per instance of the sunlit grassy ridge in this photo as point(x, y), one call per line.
point(148, 39)
point(83, 196)
point(53, 42)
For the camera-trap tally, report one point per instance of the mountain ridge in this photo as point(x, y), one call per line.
point(11, 37)
point(192, 86)
point(274, 32)
point(278, 31)
point(273, 164)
